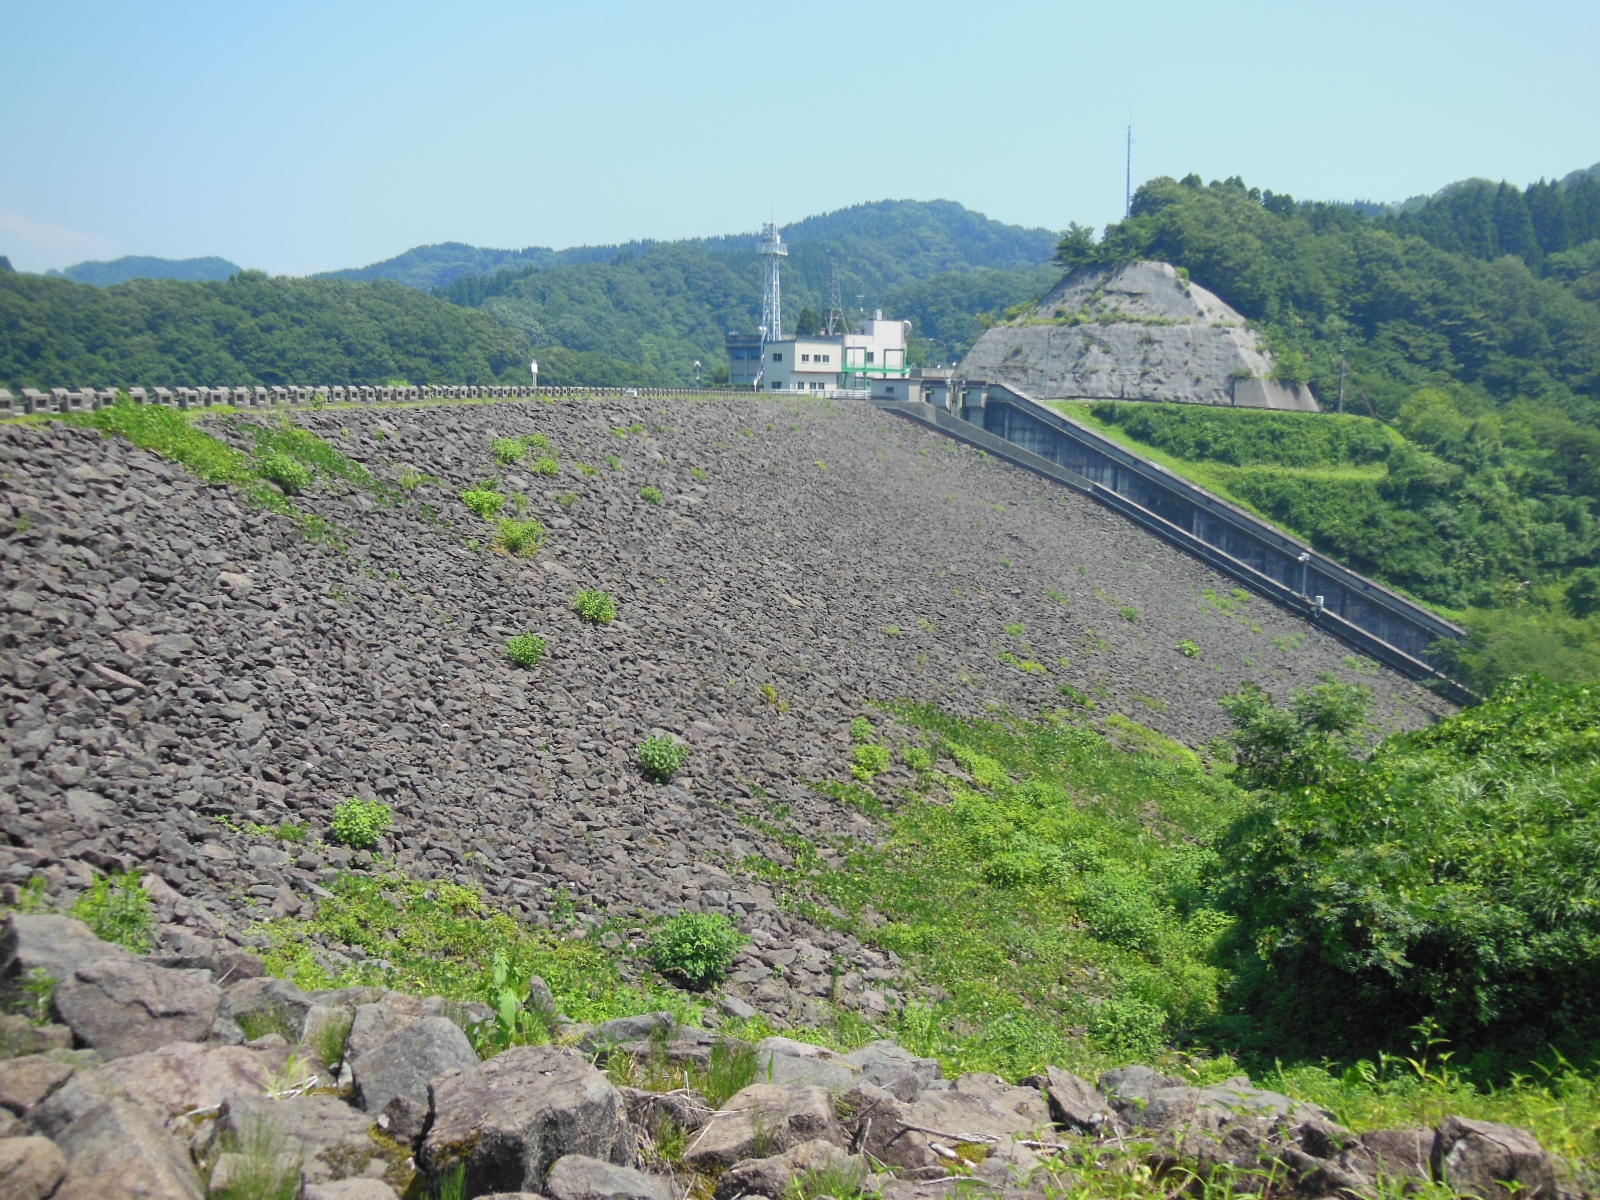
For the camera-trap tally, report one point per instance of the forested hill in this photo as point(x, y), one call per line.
point(666, 304)
point(878, 244)
point(250, 329)
point(1488, 368)
point(1553, 227)
point(437, 266)
point(134, 266)
point(1407, 312)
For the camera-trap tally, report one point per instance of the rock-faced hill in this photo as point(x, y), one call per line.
point(178, 662)
point(1140, 331)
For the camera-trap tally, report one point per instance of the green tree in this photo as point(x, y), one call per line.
point(1077, 247)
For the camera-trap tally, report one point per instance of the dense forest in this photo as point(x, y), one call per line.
point(1485, 363)
point(250, 329)
point(639, 314)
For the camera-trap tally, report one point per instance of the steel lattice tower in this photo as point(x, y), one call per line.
point(835, 303)
point(772, 249)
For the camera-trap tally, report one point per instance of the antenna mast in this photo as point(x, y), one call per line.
point(835, 301)
point(1127, 182)
point(772, 249)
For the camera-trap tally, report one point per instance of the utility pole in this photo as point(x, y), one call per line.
point(1341, 373)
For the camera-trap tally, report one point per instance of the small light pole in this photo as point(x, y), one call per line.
point(697, 373)
point(1304, 559)
point(534, 367)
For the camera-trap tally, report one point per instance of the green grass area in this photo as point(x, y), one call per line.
point(1065, 892)
point(436, 938)
point(287, 459)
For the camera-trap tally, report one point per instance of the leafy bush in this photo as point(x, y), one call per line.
point(484, 500)
point(526, 649)
point(861, 730)
point(118, 910)
point(650, 495)
point(698, 949)
point(545, 465)
point(509, 450)
point(1453, 877)
point(870, 760)
point(1313, 740)
point(660, 758)
point(1188, 648)
point(292, 476)
point(595, 606)
point(359, 823)
point(519, 538)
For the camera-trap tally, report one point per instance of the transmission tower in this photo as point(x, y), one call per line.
point(772, 249)
point(835, 301)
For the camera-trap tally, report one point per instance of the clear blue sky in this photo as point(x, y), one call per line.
point(297, 137)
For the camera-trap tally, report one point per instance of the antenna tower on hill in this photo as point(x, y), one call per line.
point(772, 249)
point(835, 301)
point(1127, 181)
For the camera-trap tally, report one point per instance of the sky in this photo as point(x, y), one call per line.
point(297, 137)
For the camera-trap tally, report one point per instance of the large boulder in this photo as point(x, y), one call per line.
point(52, 944)
point(173, 1081)
point(508, 1120)
point(327, 1138)
point(785, 1061)
point(392, 1078)
point(1491, 1161)
point(119, 1149)
point(268, 1005)
point(124, 1006)
point(30, 1168)
point(1077, 1106)
point(28, 1081)
point(761, 1120)
point(896, 1070)
point(775, 1175)
point(979, 1111)
point(579, 1177)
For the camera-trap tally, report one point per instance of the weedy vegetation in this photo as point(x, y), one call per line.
point(359, 823)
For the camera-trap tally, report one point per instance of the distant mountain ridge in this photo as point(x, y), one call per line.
point(666, 305)
point(210, 269)
point(950, 237)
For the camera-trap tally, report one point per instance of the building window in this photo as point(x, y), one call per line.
point(869, 356)
point(776, 384)
point(889, 388)
point(805, 358)
point(777, 356)
point(824, 358)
